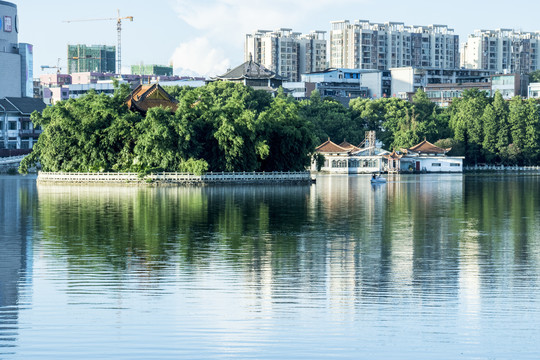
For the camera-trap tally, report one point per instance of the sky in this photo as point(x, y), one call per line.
point(206, 37)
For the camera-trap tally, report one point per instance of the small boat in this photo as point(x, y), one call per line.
point(377, 179)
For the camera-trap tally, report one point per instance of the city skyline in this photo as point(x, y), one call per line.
point(206, 38)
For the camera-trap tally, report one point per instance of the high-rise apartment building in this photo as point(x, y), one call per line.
point(287, 53)
point(502, 50)
point(95, 58)
point(16, 65)
point(365, 45)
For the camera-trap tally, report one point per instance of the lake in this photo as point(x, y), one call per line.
point(423, 267)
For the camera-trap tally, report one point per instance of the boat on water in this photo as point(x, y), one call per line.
point(377, 179)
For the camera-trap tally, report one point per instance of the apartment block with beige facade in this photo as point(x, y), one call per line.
point(287, 53)
point(366, 45)
point(502, 50)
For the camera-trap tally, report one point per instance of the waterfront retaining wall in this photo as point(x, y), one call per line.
point(178, 178)
point(502, 168)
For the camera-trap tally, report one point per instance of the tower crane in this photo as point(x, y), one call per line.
point(118, 29)
point(57, 67)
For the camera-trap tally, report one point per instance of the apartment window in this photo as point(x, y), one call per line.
point(12, 125)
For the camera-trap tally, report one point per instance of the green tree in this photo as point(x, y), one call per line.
point(491, 128)
point(531, 143)
point(289, 136)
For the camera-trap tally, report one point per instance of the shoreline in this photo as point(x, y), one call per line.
point(175, 178)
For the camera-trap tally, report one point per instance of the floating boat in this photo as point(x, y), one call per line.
point(378, 180)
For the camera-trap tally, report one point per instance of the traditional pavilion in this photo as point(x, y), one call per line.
point(424, 157)
point(148, 96)
point(254, 75)
point(346, 158)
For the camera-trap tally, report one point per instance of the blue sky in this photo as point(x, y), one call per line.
point(207, 36)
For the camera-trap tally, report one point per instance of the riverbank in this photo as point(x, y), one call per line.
point(178, 178)
point(501, 168)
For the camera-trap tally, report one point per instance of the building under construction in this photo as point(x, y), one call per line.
point(158, 70)
point(95, 58)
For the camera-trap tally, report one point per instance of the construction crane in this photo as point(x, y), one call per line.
point(119, 30)
point(57, 67)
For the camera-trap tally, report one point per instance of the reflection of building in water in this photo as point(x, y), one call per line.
point(15, 259)
point(387, 238)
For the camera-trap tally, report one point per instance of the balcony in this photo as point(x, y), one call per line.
point(29, 133)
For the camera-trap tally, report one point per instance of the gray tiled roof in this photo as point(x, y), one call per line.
point(250, 70)
point(26, 105)
point(4, 104)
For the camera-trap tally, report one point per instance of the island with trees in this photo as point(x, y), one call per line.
point(230, 127)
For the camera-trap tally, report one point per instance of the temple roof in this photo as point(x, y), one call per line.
point(249, 70)
point(348, 146)
point(330, 147)
point(393, 155)
point(148, 96)
point(425, 147)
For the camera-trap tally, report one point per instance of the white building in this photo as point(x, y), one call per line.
point(424, 157)
point(365, 45)
point(349, 159)
point(534, 90)
point(502, 50)
point(287, 53)
point(350, 83)
point(406, 80)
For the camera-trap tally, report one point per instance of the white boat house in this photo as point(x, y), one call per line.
point(424, 157)
point(349, 159)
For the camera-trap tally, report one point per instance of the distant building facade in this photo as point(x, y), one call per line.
point(365, 45)
point(16, 129)
point(94, 58)
point(533, 90)
point(407, 80)
point(155, 70)
point(350, 83)
point(16, 60)
point(502, 51)
point(287, 53)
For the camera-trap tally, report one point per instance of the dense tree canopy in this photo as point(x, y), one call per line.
point(230, 127)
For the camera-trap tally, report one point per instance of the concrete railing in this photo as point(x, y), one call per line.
point(177, 178)
point(501, 168)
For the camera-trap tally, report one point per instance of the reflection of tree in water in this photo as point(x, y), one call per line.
point(115, 225)
point(342, 234)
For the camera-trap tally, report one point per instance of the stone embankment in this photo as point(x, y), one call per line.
point(178, 178)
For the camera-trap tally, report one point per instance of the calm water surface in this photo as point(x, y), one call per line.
point(423, 267)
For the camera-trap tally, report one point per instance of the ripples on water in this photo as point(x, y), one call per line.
point(423, 267)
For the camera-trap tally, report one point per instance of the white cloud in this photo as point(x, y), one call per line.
point(199, 57)
point(224, 23)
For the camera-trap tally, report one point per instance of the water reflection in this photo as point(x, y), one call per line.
point(16, 198)
point(441, 260)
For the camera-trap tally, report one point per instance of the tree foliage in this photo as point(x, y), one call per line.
point(230, 127)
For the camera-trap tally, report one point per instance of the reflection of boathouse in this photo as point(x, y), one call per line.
point(424, 157)
point(349, 159)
